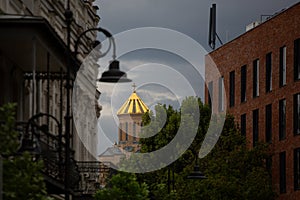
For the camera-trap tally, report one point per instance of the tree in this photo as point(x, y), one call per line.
point(21, 175)
point(123, 186)
point(233, 170)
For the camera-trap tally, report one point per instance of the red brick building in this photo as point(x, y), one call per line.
point(261, 73)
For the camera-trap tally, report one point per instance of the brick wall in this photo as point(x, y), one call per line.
point(269, 36)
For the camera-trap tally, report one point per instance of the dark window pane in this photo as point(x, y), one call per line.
point(297, 59)
point(126, 130)
point(269, 123)
point(256, 78)
point(282, 172)
point(269, 72)
point(243, 83)
point(282, 66)
point(269, 165)
point(282, 119)
point(243, 124)
point(120, 132)
point(134, 131)
point(210, 93)
point(297, 114)
point(221, 94)
point(232, 88)
point(255, 126)
point(297, 169)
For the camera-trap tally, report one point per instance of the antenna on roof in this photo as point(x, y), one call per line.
point(212, 28)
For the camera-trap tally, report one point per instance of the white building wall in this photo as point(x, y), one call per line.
point(85, 17)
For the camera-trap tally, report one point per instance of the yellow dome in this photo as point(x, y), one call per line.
point(133, 105)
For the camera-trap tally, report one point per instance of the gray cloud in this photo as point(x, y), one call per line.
point(189, 16)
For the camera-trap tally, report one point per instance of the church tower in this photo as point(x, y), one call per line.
point(130, 122)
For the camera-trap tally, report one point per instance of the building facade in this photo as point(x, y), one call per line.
point(261, 73)
point(33, 71)
point(84, 17)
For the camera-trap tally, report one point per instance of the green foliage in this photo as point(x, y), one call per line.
point(21, 175)
point(123, 186)
point(8, 135)
point(233, 170)
point(164, 135)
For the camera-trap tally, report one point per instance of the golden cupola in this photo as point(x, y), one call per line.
point(130, 121)
point(133, 105)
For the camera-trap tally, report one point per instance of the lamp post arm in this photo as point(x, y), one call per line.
point(112, 39)
point(30, 121)
point(105, 32)
point(80, 36)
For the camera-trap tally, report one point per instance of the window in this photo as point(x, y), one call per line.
point(231, 88)
point(210, 93)
point(221, 93)
point(282, 119)
point(120, 132)
point(255, 126)
point(297, 169)
point(269, 123)
point(282, 66)
point(243, 83)
point(269, 165)
point(134, 131)
point(243, 124)
point(297, 59)
point(297, 114)
point(282, 172)
point(256, 78)
point(269, 72)
point(126, 130)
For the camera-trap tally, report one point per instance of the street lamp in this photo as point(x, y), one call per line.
point(196, 174)
point(113, 74)
point(32, 144)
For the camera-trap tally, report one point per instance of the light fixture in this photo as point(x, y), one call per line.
point(113, 74)
point(196, 174)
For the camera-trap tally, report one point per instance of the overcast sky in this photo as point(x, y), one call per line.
point(187, 16)
point(190, 17)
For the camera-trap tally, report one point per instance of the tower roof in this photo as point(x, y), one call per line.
point(133, 105)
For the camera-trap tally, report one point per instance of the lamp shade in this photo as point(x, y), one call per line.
point(30, 146)
point(196, 174)
point(114, 74)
